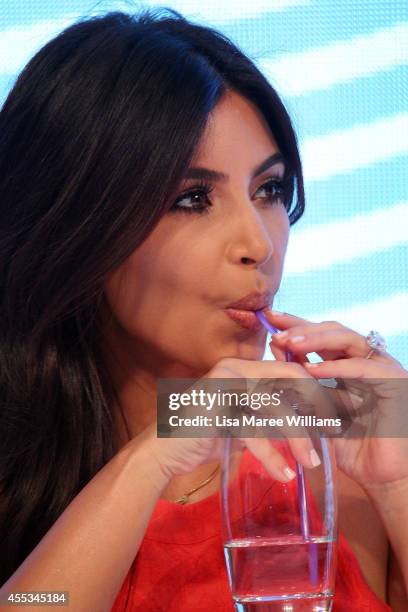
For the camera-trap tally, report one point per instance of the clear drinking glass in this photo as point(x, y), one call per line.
point(279, 538)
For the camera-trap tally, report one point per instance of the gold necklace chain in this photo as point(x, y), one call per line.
point(185, 497)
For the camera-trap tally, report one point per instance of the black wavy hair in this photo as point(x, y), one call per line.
point(97, 131)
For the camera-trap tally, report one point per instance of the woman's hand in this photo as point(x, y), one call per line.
point(373, 460)
point(182, 455)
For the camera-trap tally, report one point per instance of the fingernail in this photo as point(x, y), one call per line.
point(290, 474)
point(297, 339)
point(314, 458)
point(281, 334)
point(275, 312)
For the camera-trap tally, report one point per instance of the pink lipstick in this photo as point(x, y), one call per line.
point(245, 318)
point(244, 311)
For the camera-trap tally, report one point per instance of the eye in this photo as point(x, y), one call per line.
point(194, 200)
point(273, 190)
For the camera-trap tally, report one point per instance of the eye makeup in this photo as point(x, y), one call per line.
point(277, 190)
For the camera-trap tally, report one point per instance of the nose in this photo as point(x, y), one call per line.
point(250, 239)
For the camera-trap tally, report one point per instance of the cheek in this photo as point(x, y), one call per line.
point(181, 268)
point(152, 284)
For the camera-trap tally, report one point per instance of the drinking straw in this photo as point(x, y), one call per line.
point(300, 478)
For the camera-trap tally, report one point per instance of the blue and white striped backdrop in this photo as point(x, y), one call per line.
point(342, 69)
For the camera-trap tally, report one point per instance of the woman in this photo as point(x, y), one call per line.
point(147, 177)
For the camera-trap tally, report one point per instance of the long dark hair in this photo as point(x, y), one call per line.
point(97, 131)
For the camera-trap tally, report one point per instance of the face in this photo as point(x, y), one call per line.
point(225, 237)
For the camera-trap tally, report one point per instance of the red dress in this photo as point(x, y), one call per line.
point(180, 565)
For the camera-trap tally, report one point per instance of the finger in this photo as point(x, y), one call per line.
point(330, 343)
point(304, 452)
point(298, 357)
point(298, 332)
point(352, 368)
point(277, 352)
point(297, 398)
point(314, 400)
point(274, 463)
point(347, 400)
point(284, 320)
point(281, 355)
point(300, 393)
point(330, 340)
point(266, 368)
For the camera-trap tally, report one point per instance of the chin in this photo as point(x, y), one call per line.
point(254, 353)
point(250, 348)
point(247, 350)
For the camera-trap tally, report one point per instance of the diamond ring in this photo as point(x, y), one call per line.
point(376, 343)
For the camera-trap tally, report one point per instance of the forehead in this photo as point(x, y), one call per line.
point(235, 128)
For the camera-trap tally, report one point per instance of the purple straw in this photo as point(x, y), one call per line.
point(300, 477)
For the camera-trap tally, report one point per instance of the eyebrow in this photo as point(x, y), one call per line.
point(214, 175)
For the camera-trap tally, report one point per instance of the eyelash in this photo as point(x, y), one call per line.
point(204, 190)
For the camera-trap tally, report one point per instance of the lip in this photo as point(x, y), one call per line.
point(245, 318)
point(243, 311)
point(253, 301)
